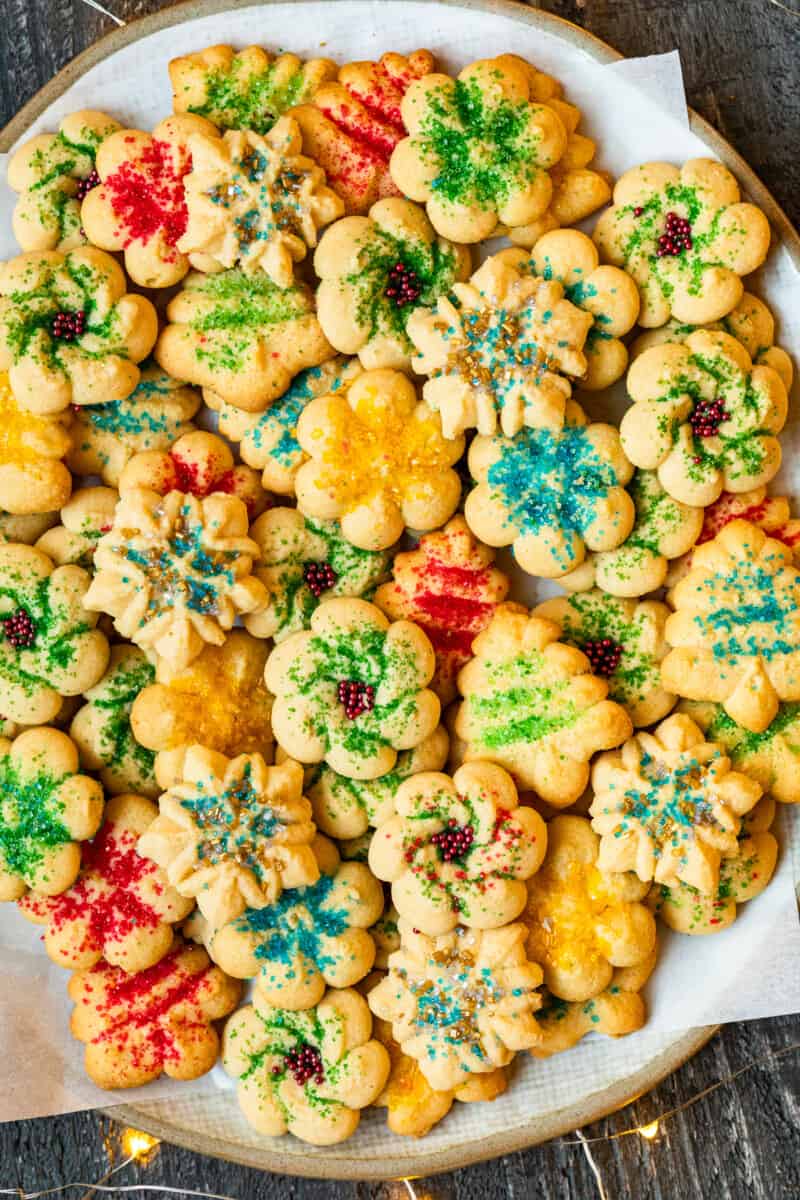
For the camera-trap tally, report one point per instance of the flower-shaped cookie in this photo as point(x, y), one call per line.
point(255, 201)
point(241, 336)
point(461, 1003)
point(308, 1073)
point(685, 238)
point(479, 148)
point(346, 808)
point(199, 463)
point(309, 938)
point(352, 689)
point(450, 587)
point(69, 332)
point(736, 628)
point(771, 758)
point(704, 417)
point(301, 562)
point(458, 851)
point(615, 1012)
point(139, 207)
point(137, 1027)
point(46, 809)
point(551, 495)
point(233, 833)
point(583, 922)
point(49, 647)
point(664, 529)
point(33, 479)
point(624, 642)
point(377, 460)
point(668, 806)
point(376, 271)
point(248, 89)
point(106, 436)
point(86, 516)
point(532, 705)
point(354, 123)
point(174, 572)
point(52, 173)
point(102, 731)
point(121, 908)
point(498, 350)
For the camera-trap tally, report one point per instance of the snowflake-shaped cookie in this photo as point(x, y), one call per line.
point(551, 495)
point(86, 516)
point(174, 572)
point(771, 758)
point(532, 705)
point(302, 562)
point(33, 478)
point(375, 272)
point(478, 149)
point(500, 350)
point(233, 833)
point(736, 629)
point(378, 461)
point(69, 332)
point(160, 1021)
point(352, 689)
point(668, 806)
point(49, 647)
point(704, 417)
point(458, 851)
point(121, 908)
point(624, 642)
point(219, 700)
point(46, 809)
point(684, 236)
point(461, 1003)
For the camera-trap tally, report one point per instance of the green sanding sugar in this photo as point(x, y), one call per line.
point(30, 817)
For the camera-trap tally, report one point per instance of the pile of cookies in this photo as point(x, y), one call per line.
point(268, 712)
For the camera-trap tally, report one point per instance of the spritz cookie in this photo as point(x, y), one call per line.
point(685, 237)
point(69, 331)
point(33, 477)
point(614, 1012)
point(533, 705)
point(86, 516)
point(771, 757)
point(352, 689)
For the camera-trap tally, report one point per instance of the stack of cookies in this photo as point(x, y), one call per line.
point(268, 711)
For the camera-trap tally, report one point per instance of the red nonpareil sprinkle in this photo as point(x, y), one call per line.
point(676, 238)
point(403, 286)
point(454, 841)
point(356, 697)
point(304, 1063)
point(604, 655)
point(85, 186)
point(67, 326)
point(319, 577)
point(147, 195)
point(637, 212)
point(707, 416)
point(20, 629)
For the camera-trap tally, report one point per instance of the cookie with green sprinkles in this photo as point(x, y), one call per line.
point(101, 729)
point(46, 810)
point(49, 646)
point(352, 689)
point(772, 757)
point(625, 644)
point(615, 1012)
point(704, 417)
point(306, 1073)
point(87, 515)
point(52, 173)
point(685, 237)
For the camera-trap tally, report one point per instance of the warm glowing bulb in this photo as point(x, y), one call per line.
point(138, 1144)
point(649, 1131)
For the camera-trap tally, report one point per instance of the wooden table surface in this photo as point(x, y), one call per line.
point(741, 62)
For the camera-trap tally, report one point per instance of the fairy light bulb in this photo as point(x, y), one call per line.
point(137, 1144)
point(649, 1131)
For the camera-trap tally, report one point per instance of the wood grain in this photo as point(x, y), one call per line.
point(741, 61)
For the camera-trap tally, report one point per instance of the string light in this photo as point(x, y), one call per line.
point(138, 1145)
point(99, 8)
point(649, 1131)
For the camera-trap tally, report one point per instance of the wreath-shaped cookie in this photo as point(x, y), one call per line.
point(33, 478)
point(49, 647)
point(86, 516)
point(551, 495)
point(375, 272)
point(69, 332)
point(771, 757)
point(462, 1003)
point(736, 629)
point(352, 689)
point(301, 563)
point(121, 908)
point(668, 806)
point(47, 809)
point(174, 572)
point(704, 417)
point(478, 149)
point(377, 461)
point(532, 704)
point(500, 350)
point(458, 850)
point(308, 1073)
point(685, 237)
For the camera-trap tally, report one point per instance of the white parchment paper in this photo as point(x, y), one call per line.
point(636, 111)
